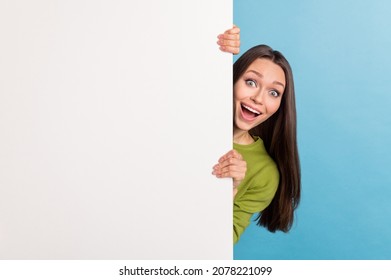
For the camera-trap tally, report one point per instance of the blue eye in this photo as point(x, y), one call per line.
point(251, 83)
point(274, 93)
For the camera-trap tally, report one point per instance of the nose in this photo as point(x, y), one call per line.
point(257, 98)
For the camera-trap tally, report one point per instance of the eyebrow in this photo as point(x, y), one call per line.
point(261, 76)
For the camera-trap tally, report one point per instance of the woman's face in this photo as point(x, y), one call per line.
point(258, 93)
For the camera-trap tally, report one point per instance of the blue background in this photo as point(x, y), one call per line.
point(340, 55)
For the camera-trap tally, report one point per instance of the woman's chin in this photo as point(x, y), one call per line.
point(243, 126)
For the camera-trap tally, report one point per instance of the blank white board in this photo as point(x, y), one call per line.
point(112, 114)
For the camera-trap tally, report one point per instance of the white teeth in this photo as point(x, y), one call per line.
point(251, 109)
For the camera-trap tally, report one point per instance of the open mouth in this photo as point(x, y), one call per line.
point(249, 113)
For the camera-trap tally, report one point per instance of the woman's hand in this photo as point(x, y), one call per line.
point(231, 165)
point(229, 41)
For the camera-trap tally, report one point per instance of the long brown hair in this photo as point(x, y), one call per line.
point(279, 136)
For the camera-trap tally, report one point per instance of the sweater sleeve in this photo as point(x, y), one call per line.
point(255, 199)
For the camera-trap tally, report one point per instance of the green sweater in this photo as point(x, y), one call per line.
point(258, 187)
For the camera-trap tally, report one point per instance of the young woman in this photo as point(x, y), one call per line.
point(264, 162)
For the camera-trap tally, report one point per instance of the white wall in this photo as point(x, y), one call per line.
point(112, 114)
